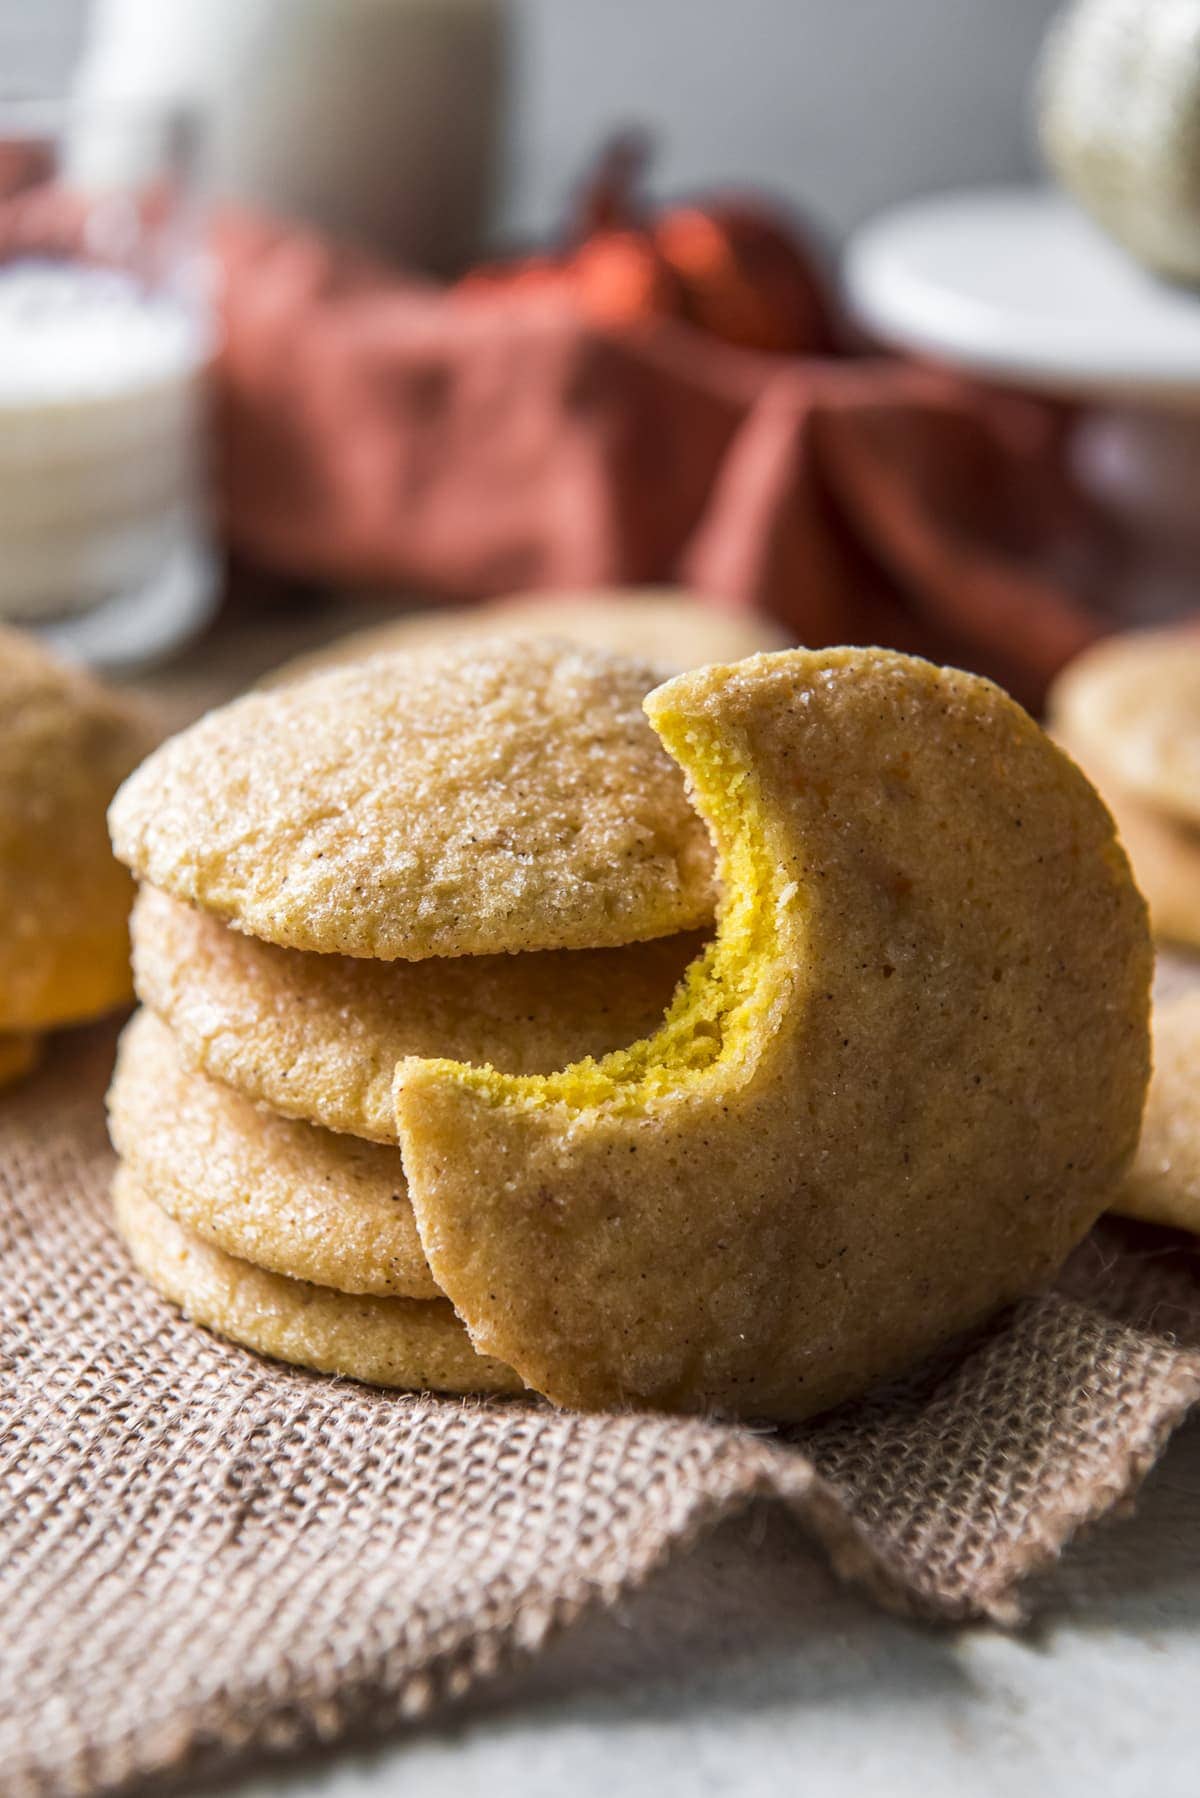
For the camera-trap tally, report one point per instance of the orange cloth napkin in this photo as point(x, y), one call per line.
point(378, 429)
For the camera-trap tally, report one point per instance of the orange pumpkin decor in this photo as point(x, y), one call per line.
point(730, 267)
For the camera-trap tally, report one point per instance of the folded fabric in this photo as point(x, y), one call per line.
point(378, 429)
point(205, 1555)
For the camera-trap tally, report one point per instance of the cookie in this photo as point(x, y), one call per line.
point(18, 1055)
point(902, 1082)
point(1166, 866)
point(319, 1036)
point(497, 797)
point(291, 1198)
point(663, 625)
point(1132, 703)
point(1165, 853)
point(415, 1344)
point(66, 743)
point(1163, 1185)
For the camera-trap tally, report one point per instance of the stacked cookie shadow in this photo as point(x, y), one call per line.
point(482, 854)
point(66, 742)
point(1128, 711)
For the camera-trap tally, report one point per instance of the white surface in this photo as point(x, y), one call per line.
point(1016, 283)
point(744, 1670)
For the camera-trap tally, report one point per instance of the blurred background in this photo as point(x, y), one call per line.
point(873, 322)
point(841, 107)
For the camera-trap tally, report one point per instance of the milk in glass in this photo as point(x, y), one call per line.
point(100, 416)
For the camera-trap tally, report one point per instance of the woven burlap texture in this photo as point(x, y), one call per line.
point(204, 1555)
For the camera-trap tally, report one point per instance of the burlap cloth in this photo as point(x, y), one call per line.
point(204, 1555)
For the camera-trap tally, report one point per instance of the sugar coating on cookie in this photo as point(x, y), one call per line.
point(415, 1344)
point(66, 743)
point(504, 796)
point(901, 1083)
point(319, 1036)
point(18, 1055)
point(1133, 703)
point(290, 1197)
point(663, 625)
point(1163, 1185)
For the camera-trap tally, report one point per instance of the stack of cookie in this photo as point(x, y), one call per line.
point(66, 743)
point(480, 853)
point(419, 1094)
point(1129, 712)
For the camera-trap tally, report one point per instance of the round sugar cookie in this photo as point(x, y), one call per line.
point(1132, 703)
point(1164, 851)
point(318, 1036)
point(287, 1196)
point(18, 1055)
point(66, 743)
point(502, 796)
point(415, 1344)
point(1163, 1185)
point(903, 1081)
point(663, 625)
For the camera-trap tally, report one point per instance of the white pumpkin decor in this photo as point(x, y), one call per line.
point(1119, 121)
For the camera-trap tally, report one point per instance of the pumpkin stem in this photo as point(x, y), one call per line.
point(607, 198)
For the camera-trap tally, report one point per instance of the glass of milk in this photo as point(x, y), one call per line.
point(105, 340)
